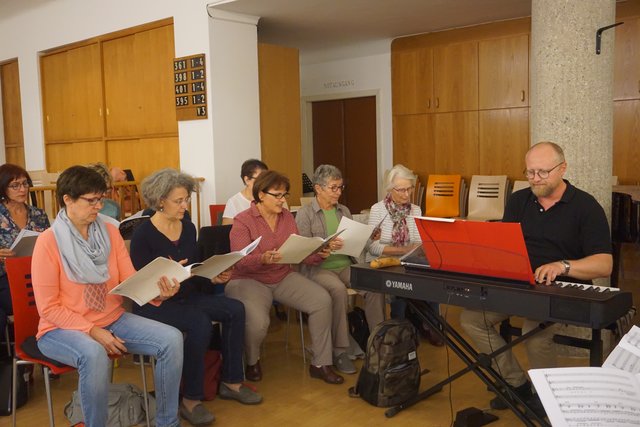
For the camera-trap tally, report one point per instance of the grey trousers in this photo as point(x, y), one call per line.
point(480, 326)
point(294, 291)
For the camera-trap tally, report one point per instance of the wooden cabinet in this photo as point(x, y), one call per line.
point(62, 155)
point(626, 141)
point(12, 113)
point(412, 81)
point(413, 143)
point(503, 72)
point(626, 80)
point(455, 77)
point(138, 85)
point(456, 143)
point(503, 141)
point(72, 94)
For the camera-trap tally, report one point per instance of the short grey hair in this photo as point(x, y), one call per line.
point(158, 185)
point(398, 171)
point(324, 173)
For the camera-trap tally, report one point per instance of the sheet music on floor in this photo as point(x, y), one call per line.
point(592, 396)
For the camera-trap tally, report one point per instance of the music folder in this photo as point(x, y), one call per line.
point(493, 249)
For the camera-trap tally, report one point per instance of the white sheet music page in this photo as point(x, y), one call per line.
point(626, 355)
point(588, 397)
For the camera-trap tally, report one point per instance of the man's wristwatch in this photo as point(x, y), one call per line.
point(566, 266)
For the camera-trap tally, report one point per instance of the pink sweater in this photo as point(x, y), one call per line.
point(60, 301)
point(247, 227)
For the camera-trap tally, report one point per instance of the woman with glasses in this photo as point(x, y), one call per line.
point(398, 232)
point(259, 279)
point(241, 201)
point(321, 218)
point(15, 215)
point(75, 264)
point(171, 235)
point(109, 206)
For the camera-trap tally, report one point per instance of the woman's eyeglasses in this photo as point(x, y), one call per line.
point(335, 188)
point(92, 200)
point(403, 190)
point(278, 196)
point(15, 186)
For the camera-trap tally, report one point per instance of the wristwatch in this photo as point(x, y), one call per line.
point(566, 266)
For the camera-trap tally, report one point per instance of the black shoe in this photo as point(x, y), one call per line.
point(523, 392)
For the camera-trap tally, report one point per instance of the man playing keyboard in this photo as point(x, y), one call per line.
point(567, 237)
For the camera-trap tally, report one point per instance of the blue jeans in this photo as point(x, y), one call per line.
point(193, 315)
point(141, 336)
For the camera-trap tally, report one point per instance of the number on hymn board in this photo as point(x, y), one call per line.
point(197, 87)
point(180, 77)
point(201, 111)
point(197, 62)
point(182, 100)
point(183, 88)
point(197, 74)
point(179, 65)
point(198, 99)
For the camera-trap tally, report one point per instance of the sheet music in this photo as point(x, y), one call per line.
point(588, 397)
point(626, 355)
point(631, 341)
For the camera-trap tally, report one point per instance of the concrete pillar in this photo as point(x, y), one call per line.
point(572, 88)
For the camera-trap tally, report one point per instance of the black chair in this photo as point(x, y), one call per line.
point(214, 240)
point(624, 228)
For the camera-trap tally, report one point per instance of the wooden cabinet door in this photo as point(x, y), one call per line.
point(626, 141)
point(626, 77)
point(413, 143)
point(84, 95)
point(412, 81)
point(12, 113)
point(456, 143)
point(503, 72)
point(138, 82)
point(53, 73)
point(503, 142)
point(455, 77)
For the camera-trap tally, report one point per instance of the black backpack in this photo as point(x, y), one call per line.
point(6, 366)
point(358, 327)
point(391, 373)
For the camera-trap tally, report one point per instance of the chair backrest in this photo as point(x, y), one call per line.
point(304, 201)
point(443, 196)
point(487, 196)
point(417, 198)
point(216, 212)
point(25, 312)
point(214, 240)
point(519, 185)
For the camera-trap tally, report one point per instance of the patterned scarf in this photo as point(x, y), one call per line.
point(398, 214)
point(85, 261)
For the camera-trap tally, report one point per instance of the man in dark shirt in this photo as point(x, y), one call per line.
point(567, 237)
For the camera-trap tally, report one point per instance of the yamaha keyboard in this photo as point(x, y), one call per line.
point(589, 306)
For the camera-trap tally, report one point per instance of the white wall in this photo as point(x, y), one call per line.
point(355, 75)
point(28, 28)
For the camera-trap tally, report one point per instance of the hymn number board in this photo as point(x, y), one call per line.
point(189, 79)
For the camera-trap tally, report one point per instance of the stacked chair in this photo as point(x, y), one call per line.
point(487, 197)
point(445, 196)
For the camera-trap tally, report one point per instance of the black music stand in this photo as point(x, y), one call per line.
point(478, 363)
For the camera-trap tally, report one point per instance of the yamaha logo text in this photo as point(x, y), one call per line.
point(406, 286)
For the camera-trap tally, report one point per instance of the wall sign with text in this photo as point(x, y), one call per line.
point(190, 84)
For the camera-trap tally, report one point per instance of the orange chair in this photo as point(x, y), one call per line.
point(443, 196)
point(216, 214)
point(25, 325)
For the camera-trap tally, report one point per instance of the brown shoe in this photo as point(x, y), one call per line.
point(434, 338)
point(326, 373)
point(253, 372)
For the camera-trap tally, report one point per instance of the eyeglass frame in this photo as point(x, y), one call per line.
point(178, 202)
point(539, 172)
point(407, 190)
point(278, 196)
point(93, 201)
point(16, 186)
point(334, 188)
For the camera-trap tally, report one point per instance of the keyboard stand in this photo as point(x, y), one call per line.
point(478, 363)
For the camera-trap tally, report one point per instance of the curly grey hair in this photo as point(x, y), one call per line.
point(324, 173)
point(398, 171)
point(159, 184)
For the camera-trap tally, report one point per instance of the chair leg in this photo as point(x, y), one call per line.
point(47, 386)
point(286, 331)
point(14, 390)
point(8, 338)
point(144, 390)
point(304, 349)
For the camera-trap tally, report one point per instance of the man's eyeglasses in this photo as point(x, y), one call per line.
point(92, 200)
point(15, 186)
point(542, 173)
point(278, 196)
point(403, 190)
point(335, 188)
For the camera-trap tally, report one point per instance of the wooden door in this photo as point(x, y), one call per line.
point(344, 135)
point(503, 142)
point(83, 99)
point(456, 143)
point(54, 72)
point(626, 141)
point(12, 113)
point(412, 81)
point(626, 77)
point(413, 144)
point(503, 72)
point(455, 77)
